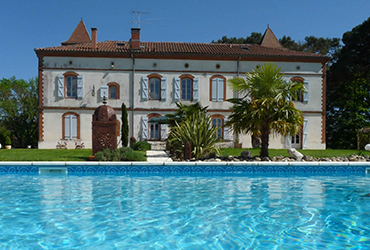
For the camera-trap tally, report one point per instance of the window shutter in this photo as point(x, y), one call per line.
point(306, 94)
point(176, 89)
point(220, 89)
point(144, 127)
point(214, 89)
point(104, 92)
point(60, 81)
point(73, 127)
point(196, 89)
point(227, 136)
point(144, 88)
point(67, 127)
point(163, 88)
point(305, 134)
point(288, 141)
point(163, 131)
point(80, 87)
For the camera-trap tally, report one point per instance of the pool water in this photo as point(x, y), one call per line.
point(184, 212)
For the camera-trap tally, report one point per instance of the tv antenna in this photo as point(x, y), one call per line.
point(138, 13)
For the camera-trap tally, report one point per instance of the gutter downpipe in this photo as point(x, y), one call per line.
point(238, 67)
point(132, 96)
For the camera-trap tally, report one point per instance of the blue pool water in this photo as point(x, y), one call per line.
point(184, 212)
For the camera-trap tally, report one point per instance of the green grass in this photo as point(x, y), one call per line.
point(284, 152)
point(46, 154)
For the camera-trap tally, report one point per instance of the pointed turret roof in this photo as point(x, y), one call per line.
point(79, 35)
point(270, 40)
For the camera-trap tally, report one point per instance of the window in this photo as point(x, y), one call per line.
point(154, 88)
point(302, 96)
point(152, 130)
point(71, 126)
point(186, 89)
point(217, 88)
point(113, 90)
point(70, 85)
point(296, 140)
point(218, 121)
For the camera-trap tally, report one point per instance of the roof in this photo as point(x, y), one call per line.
point(159, 48)
point(270, 40)
point(79, 35)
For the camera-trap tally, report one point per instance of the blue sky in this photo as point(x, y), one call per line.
point(26, 25)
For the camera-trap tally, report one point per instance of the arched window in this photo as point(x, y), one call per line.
point(154, 128)
point(70, 85)
point(217, 88)
point(70, 79)
point(218, 122)
point(71, 126)
point(113, 90)
point(299, 97)
point(186, 87)
point(154, 86)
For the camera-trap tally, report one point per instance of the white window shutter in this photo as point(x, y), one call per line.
point(104, 92)
point(144, 127)
point(227, 136)
point(60, 81)
point(288, 141)
point(306, 95)
point(73, 127)
point(163, 88)
point(220, 89)
point(176, 89)
point(305, 134)
point(163, 131)
point(67, 126)
point(196, 89)
point(80, 87)
point(144, 88)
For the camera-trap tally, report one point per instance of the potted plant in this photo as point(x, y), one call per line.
point(8, 143)
point(237, 144)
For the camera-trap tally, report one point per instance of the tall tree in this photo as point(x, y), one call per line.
point(265, 106)
point(124, 127)
point(254, 38)
point(19, 110)
point(348, 88)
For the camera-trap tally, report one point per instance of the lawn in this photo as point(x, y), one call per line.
point(46, 154)
point(284, 152)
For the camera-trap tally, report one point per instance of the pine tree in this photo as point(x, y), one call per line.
point(124, 128)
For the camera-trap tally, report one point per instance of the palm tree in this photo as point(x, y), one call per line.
point(265, 105)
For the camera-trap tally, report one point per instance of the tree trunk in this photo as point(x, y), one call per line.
point(265, 140)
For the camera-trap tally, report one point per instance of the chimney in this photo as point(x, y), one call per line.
point(135, 38)
point(93, 38)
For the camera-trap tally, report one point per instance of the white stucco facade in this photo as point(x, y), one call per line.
point(127, 71)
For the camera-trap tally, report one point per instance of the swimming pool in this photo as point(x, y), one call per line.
point(184, 211)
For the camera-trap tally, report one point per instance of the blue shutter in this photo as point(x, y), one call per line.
point(73, 127)
point(104, 92)
point(227, 135)
point(176, 89)
point(306, 95)
point(214, 89)
point(80, 87)
point(163, 88)
point(163, 131)
point(144, 127)
point(67, 127)
point(220, 89)
point(305, 134)
point(60, 82)
point(288, 141)
point(144, 88)
point(196, 89)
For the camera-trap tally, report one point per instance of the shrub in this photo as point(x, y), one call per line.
point(8, 141)
point(119, 154)
point(140, 146)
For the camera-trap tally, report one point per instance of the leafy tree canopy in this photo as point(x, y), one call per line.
point(19, 110)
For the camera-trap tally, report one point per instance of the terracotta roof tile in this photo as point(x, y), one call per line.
point(183, 48)
point(79, 35)
point(269, 40)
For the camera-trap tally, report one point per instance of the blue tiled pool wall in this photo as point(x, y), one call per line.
point(190, 167)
